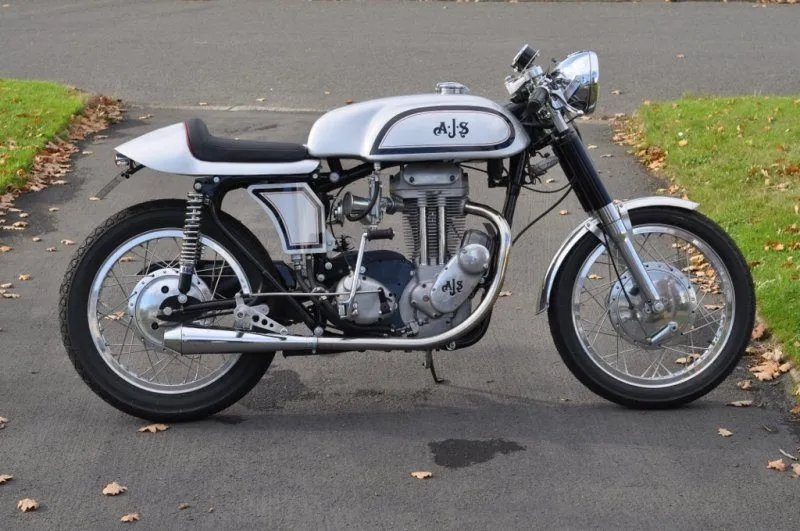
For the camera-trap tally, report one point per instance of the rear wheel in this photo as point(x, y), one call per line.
point(121, 277)
point(605, 332)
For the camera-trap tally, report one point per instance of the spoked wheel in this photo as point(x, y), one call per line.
point(127, 295)
point(618, 347)
point(121, 280)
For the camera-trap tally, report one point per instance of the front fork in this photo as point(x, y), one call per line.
point(595, 199)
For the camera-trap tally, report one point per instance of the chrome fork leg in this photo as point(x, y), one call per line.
point(618, 227)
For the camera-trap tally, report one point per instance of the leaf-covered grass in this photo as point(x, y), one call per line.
point(739, 157)
point(31, 114)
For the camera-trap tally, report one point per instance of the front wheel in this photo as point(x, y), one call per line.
point(120, 278)
point(605, 332)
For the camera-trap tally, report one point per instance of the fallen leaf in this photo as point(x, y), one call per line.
point(5, 248)
point(683, 142)
point(58, 181)
point(36, 239)
point(5, 478)
point(591, 146)
point(744, 385)
point(51, 249)
point(67, 242)
point(765, 372)
point(203, 103)
point(114, 488)
point(116, 316)
point(551, 180)
point(772, 355)
point(24, 276)
point(87, 152)
point(3, 420)
point(606, 156)
point(680, 56)
point(6, 285)
point(24, 215)
point(327, 92)
point(778, 465)
point(130, 517)
point(796, 470)
point(94, 198)
point(11, 295)
point(421, 474)
point(52, 209)
point(741, 403)
point(687, 360)
point(758, 331)
point(795, 410)
point(505, 294)
point(724, 432)
point(145, 117)
point(183, 506)
point(348, 102)
point(594, 277)
point(616, 92)
point(153, 428)
point(127, 258)
point(27, 504)
point(260, 99)
point(563, 212)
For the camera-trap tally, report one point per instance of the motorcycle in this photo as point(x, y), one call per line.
point(173, 310)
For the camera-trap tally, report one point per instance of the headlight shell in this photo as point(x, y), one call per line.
point(579, 74)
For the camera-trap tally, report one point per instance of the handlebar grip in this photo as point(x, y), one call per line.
point(380, 234)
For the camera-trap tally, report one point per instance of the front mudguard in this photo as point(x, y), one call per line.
point(593, 225)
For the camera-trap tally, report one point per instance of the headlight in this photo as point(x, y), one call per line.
point(579, 74)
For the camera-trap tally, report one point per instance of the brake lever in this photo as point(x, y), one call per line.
point(559, 97)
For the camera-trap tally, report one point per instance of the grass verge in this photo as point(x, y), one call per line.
point(31, 114)
point(739, 157)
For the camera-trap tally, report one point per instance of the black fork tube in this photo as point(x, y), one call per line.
point(580, 171)
point(516, 175)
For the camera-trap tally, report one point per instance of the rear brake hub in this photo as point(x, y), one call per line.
point(148, 297)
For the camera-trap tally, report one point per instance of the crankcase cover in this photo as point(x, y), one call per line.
point(368, 307)
point(462, 274)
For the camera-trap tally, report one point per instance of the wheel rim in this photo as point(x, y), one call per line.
point(705, 321)
point(121, 308)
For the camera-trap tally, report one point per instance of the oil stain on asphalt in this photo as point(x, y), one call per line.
point(459, 453)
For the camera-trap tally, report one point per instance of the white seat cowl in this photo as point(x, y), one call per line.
point(167, 150)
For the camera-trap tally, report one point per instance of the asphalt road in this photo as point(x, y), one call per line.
point(513, 441)
point(176, 52)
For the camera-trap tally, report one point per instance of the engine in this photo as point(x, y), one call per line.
point(428, 291)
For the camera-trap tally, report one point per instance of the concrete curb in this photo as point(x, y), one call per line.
point(228, 108)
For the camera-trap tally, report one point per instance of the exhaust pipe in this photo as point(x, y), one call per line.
point(196, 340)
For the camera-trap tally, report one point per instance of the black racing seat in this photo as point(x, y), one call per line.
point(204, 146)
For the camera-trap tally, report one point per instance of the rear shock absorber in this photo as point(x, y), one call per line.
point(190, 246)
